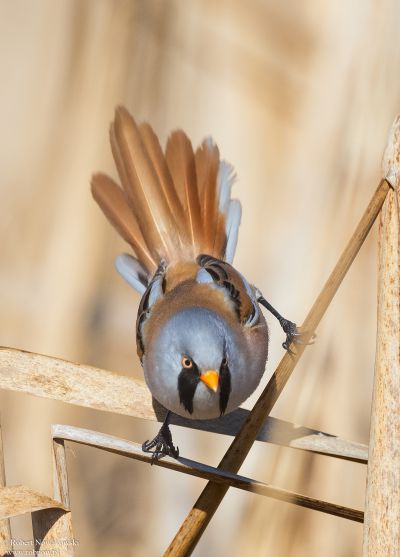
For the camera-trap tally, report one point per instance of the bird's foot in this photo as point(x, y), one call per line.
point(162, 444)
point(293, 335)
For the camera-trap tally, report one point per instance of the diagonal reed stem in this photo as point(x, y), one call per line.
point(199, 517)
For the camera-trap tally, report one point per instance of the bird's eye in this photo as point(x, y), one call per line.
point(187, 362)
point(224, 362)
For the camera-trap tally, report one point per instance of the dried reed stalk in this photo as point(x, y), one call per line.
point(133, 450)
point(53, 528)
point(5, 531)
point(49, 518)
point(382, 524)
point(19, 499)
point(52, 532)
point(196, 522)
point(38, 375)
point(60, 479)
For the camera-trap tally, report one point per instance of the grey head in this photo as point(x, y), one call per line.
point(199, 366)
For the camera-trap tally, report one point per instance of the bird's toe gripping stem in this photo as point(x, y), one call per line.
point(293, 335)
point(162, 444)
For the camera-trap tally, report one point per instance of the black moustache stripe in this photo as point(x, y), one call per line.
point(225, 387)
point(188, 379)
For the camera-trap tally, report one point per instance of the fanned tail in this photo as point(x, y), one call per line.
point(171, 207)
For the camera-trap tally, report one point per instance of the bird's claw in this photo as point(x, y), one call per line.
point(162, 444)
point(293, 335)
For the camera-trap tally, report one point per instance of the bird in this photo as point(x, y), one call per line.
point(201, 336)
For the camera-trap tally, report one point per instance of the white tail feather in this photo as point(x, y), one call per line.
point(132, 271)
point(226, 178)
point(232, 229)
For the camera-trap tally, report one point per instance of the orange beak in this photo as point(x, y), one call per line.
point(210, 378)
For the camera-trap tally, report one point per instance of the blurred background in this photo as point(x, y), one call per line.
point(299, 97)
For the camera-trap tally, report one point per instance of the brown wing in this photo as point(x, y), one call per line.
point(145, 307)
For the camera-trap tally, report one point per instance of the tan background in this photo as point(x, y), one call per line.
point(299, 97)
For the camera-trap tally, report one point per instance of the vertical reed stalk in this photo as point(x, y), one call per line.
point(5, 531)
point(52, 528)
point(382, 507)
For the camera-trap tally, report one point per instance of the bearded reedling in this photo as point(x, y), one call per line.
point(201, 337)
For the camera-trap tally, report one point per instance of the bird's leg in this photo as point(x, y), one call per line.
point(162, 442)
point(290, 328)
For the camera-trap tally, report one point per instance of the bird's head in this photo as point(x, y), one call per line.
point(196, 364)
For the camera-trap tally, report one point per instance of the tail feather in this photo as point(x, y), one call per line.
point(207, 163)
point(133, 272)
point(166, 182)
point(172, 207)
point(180, 159)
point(232, 229)
point(225, 179)
point(143, 189)
point(112, 201)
